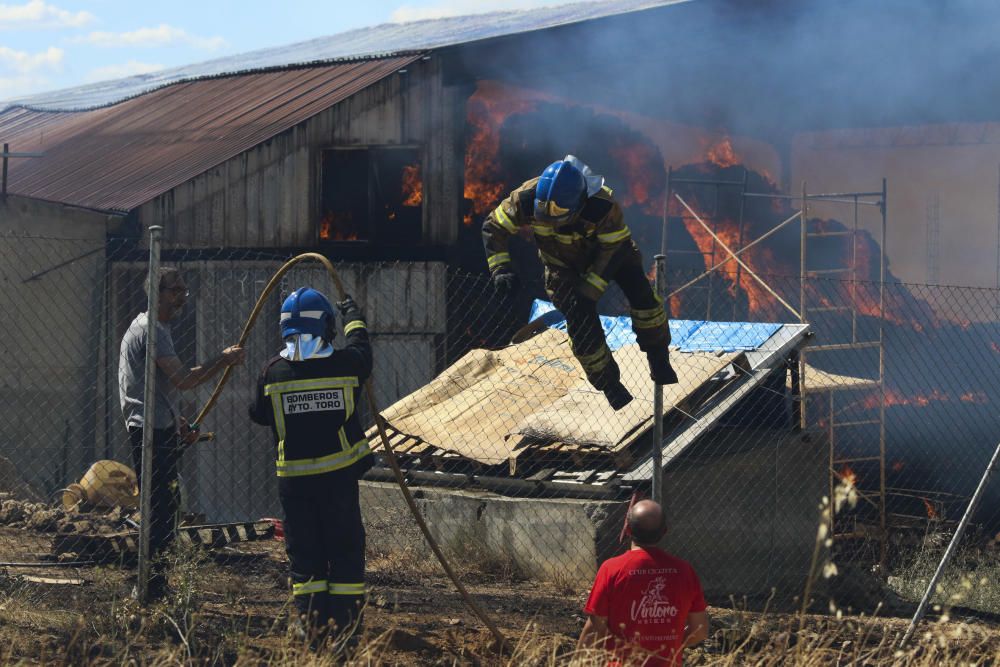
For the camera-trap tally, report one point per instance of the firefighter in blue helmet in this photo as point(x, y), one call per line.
point(584, 244)
point(309, 394)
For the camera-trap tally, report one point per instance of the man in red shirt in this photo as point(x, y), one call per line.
point(645, 603)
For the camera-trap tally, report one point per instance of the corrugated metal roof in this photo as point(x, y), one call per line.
point(119, 157)
point(377, 41)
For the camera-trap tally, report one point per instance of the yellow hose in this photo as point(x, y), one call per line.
point(379, 422)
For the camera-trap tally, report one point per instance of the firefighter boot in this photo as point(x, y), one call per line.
point(617, 395)
point(660, 369)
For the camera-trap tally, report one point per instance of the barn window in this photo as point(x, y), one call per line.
point(371, 194)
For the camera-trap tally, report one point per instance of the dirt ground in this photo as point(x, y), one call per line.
point(239, 599)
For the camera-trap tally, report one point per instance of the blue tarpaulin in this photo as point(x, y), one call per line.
point(687, 335)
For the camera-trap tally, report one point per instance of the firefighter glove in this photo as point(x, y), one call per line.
point(349, 309)
point(506, 283)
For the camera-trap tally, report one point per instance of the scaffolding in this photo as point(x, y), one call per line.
point(824, 401)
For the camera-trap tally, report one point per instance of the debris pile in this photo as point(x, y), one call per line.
point(53, 519)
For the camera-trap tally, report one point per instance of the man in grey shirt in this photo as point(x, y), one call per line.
point(170, 429)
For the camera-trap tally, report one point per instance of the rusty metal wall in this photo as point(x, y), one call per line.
point(268, 196)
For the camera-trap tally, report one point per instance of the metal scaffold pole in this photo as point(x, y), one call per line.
point(657, 475)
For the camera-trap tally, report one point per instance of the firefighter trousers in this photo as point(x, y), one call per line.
point(590, 347)
point(325, 543)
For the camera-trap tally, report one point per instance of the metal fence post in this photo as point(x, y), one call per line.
point(950, 551)
point(148, 412)
point(659, 263)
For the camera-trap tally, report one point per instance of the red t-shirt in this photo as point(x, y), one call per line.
point(646, 594)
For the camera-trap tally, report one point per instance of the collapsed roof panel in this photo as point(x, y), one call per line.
point(528, 407)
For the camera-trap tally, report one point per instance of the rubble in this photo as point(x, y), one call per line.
point(48, 519)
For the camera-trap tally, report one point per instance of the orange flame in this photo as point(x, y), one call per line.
point(893, 397)
point(931, 512)
point(759, 300)
point(328, 232)
point(642, 182)
point(413, 186)
point(487, 108)
point(721, 153)
point(848, 475)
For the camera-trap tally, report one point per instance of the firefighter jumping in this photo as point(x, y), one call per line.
point(308, 395)
point(584, 244)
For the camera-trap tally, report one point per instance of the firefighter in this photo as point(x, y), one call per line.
point(584, 244)
point(309, 395)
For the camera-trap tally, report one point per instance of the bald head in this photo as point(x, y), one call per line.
point(646, 522)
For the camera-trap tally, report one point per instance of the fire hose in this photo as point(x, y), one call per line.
point(390, 455)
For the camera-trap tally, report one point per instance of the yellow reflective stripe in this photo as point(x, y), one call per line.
point(496, 259)
point(346, 589)
point(310, 587)
point(568, 239)
point(648, 319)
point(597, 281)
point(549, 259)
point(318, 466)
point(607, 189)
point(354, 324)
point(320, 383)
point(279, 421)
point(501, 218)
point(344, 444)
point(596, 360)
point(614, 237)
point(543, 230)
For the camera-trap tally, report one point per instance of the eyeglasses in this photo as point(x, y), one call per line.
point(178, 290)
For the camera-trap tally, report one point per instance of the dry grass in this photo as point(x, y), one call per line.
point(221, 616)
point(738, 638)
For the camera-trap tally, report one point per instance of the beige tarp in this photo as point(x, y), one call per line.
point(487, 402)
point(583, 416)
point(477, 402)
point(817, 380)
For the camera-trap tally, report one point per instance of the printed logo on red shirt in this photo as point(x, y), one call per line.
point(653, 605)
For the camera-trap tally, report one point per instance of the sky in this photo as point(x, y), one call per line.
point(49, 45)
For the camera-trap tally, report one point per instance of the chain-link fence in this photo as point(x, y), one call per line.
point(521, 466)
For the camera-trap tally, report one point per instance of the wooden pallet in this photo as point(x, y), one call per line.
point(415, 452)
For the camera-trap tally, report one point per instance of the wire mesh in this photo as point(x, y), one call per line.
point(523, 468)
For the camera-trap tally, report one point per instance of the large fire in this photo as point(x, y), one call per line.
point(487, 110)
point(721, 153)
point(640, 186)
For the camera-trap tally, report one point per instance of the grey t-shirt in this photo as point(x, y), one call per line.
point(132, 374)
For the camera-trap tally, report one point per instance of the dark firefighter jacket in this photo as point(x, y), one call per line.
point(585, 246)
point(311, 407)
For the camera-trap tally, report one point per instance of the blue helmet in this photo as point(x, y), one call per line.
point(560, 193)
point(306, 311)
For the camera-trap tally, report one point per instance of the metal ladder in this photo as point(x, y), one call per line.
point(847, 451)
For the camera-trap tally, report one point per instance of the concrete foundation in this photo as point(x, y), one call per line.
point(742, 509)
point(545, 538)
